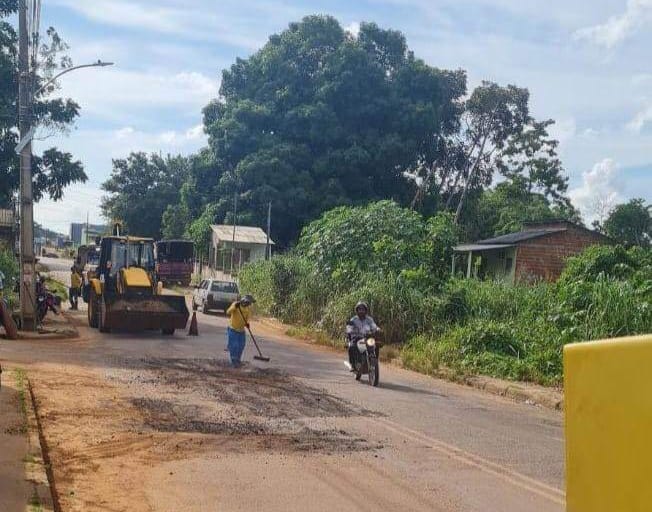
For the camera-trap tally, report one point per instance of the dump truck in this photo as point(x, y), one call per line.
point(124, 292)
point(175, 261)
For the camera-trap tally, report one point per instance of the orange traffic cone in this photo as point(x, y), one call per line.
point(193, 331)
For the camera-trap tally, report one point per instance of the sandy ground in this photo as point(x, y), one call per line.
point(141, 422)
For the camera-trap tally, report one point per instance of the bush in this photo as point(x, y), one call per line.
point(604, 261)
point(286, 287)
point(396, 307)
point(393, 259)
point(9, 267)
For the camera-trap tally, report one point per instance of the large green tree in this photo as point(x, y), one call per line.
point(141, 188)
point(319, 118)
point(54, 169)
point(630, 223)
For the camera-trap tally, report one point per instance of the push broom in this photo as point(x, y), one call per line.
point(260, 356)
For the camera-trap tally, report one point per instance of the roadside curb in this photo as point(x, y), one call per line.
point(60, 330)
point(37, 467)
point(530, 394)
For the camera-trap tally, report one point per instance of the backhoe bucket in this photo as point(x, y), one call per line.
point(164, 312)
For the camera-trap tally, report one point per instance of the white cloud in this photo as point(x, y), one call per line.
point(125, 132)
point(618, 28)
point(195, 133)
point(121, 95)
point(225, 21)
point(640, 120)
point(353, 28)
point(564, 129)
point(601, 186)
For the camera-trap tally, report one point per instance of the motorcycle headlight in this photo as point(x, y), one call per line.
point(371, 342)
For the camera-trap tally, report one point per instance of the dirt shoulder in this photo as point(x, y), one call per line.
point(23, 480)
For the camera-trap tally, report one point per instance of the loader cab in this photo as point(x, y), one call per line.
point(117, 253)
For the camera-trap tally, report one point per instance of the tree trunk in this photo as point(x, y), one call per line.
point(469, 179)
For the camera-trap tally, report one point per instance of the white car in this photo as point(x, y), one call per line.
point(215, 294)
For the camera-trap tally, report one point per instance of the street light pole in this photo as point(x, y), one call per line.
point(27, 260)
point(25, 102)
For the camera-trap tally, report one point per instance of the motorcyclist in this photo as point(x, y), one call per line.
point(358, 327)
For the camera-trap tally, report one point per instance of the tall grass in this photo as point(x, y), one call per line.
point(467, 326)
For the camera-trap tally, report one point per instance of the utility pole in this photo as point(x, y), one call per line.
point(27, 260)
point(235, 222)
point(268, 248)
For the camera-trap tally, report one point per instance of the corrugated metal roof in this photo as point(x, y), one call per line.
point(481, 247)
point(243, 234)
point(521, 236)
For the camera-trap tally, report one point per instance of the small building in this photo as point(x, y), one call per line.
point(231, 248)
point(78, 235)
point(537, 253)
point(7, 228)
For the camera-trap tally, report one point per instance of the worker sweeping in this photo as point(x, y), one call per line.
point(239, 314)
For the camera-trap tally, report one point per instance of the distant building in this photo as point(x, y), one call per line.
point(88, 236)
point(77, 232)
point(537, 253)
point(229, 252)
point(7, 228)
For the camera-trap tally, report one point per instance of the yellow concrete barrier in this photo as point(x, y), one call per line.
point(608, 406)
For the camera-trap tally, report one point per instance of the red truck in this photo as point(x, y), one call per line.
point(174, 261)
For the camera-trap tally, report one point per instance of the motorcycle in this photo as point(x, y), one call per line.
point(45, 302)
point(366, 359)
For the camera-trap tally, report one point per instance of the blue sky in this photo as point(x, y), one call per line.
point(586, 67)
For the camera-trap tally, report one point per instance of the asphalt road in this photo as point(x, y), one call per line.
point(428, 444)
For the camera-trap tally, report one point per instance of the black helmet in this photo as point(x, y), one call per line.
point(362, 304)
point(247, 299)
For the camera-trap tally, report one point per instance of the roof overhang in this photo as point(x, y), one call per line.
point(481, 247)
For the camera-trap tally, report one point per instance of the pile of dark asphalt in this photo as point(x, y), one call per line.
point(260, 407)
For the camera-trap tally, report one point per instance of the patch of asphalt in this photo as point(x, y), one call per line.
point(259, 408)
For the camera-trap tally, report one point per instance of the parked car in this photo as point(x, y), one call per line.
point(215, 294)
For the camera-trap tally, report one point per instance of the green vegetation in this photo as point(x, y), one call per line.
point(319, 118)
point(630, 223)
point(54, 169)
point(9, 267)
point(386, 255)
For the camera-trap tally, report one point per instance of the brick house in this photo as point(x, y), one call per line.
point(537, 253)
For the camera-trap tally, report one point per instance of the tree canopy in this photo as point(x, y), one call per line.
point(630, 224)
point(319, 118)
point(54, 170)
point(140, 189)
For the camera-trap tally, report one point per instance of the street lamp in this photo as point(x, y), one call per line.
point(98, 64)
point(24, 149)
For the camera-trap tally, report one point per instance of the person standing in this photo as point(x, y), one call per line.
point(75, 288)
point(239, 314)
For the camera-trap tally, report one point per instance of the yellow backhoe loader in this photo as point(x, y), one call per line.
point(124, 293)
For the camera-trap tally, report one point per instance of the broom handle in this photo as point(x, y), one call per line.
point(249, 329)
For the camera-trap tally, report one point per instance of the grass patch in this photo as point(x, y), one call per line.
point(21, 382)
point(315, 336)
point(35, 503)
point(57, 288)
